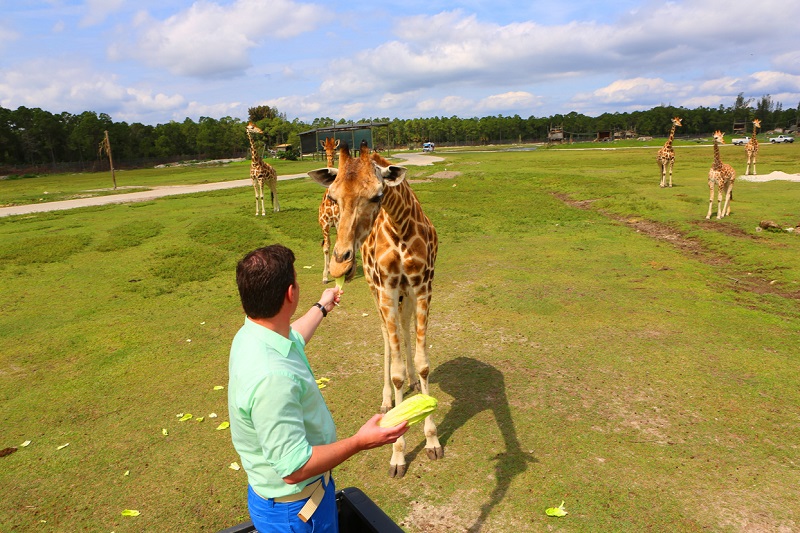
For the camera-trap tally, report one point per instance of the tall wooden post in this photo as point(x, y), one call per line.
point(105, 146)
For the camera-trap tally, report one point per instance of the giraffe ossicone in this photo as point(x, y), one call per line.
point(380, 214)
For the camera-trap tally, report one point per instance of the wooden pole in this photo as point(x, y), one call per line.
point(105, 146)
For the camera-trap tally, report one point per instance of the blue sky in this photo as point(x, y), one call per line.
point(155, 61)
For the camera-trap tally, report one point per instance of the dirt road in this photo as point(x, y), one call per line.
point(416, 159)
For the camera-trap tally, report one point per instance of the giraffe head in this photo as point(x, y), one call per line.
point(676, 122)
point(252, 128)
point(357, 187)
point(330, 146)
point(718, 137)
point(756, 124)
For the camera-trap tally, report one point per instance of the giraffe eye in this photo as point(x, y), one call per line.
point(377, 198)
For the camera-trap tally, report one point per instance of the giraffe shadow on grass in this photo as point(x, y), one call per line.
point(475, 387)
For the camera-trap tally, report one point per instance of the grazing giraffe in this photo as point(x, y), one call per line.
point(381, 214)
point(261, 172)
point(328, 211)
point(752, 148)
point(722, 175)
point(666, 155)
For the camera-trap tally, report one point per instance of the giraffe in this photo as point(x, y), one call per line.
point(666, 155)
point(723, 176)
point(328, 211)
point(261, 172)
point(380, 213)
point(752, 148)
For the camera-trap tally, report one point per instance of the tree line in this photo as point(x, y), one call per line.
point(32, 139)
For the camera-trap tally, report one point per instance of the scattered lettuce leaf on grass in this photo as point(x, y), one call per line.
point(218, 387)
point(184, 418)
point(199, 419)
point(224, 425)
point(235, 466)
point(164, 431)
point(130, 512)
point(62, 446)
point(212, 415)
point(25, 444)
point(556, 511)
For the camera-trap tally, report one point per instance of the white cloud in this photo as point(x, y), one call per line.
point(98, 10)
point(75, 88)
point(211, 40)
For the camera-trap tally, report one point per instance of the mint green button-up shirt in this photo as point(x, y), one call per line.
point(277, 412)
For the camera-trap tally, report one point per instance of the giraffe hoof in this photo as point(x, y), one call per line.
point(397, 471)
point(435, 453)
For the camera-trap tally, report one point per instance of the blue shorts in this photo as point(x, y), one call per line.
point(271, 517)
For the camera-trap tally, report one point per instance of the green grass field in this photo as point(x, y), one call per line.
point(593, 340)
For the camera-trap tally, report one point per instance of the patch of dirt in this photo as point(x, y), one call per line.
point(446, 174)
point(693, 248)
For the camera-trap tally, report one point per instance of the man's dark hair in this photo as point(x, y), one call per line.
point(263, 277)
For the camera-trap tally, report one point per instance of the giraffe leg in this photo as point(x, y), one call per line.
point(710, 199)
point(326, 251)
point(663, 174)
point(719, 202)
point(671, 164)
point(726, 210)
point(394, 374)
point(274, 193)
point(433, 448)
point(406, 312)
point(255, 190)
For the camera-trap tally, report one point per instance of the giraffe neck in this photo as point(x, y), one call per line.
point(253, 152)
point(671, 135)
point(753, 138)
point(717, 160)
point(401, 205)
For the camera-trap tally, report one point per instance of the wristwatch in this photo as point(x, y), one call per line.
point(321, 308)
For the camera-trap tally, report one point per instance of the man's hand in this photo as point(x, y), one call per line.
point(330, 298)
point(371, 435)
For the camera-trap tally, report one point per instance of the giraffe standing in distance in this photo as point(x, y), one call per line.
point(722, 175)
point(666, 155)
point(261, 172)
point(752, 149)
point(380, 213)
point(328, 211)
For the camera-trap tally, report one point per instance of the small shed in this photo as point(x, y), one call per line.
point(604, 136)
point(352, 134)
point(556, 134)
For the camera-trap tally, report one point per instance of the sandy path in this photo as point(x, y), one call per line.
point(416, 159)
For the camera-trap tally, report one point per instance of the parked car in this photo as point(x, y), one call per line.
point(741, 141)
point(781, 139)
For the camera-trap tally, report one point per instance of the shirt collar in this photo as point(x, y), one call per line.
point(280, 343)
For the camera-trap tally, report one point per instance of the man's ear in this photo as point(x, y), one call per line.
point(292, 293)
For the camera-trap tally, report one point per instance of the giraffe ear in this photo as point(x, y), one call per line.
point(335, 146)
point(392, 175)
point(324, 176)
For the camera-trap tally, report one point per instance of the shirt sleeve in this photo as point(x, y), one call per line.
point(277, 417)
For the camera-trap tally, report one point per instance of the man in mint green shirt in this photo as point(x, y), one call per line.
point(280, 424)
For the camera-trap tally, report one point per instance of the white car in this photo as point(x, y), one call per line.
point(781, 139)
point(741, 141)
